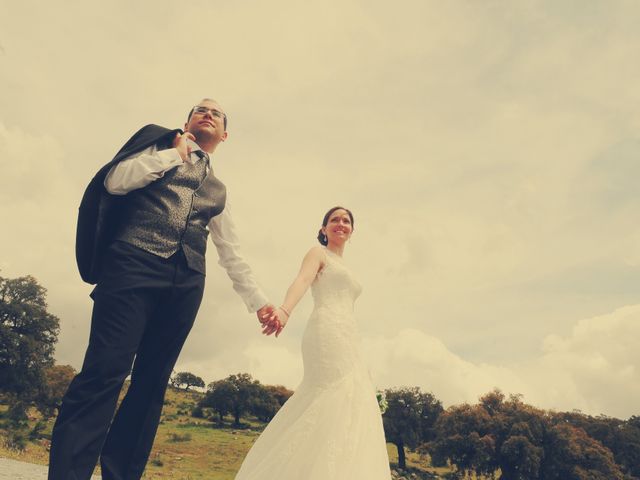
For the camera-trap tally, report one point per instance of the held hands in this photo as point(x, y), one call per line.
point(267, 318)
point(273, 320)
point(277, 322)
point(181, 145)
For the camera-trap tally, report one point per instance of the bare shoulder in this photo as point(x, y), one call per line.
point(316, 256)
point(316, 252)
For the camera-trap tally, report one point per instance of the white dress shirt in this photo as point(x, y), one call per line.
point(142, 168)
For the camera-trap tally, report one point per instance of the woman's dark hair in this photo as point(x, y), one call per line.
point(322, 238)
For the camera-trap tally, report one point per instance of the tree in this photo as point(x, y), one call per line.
point(496, 434)
point(626, 448)
point(519, 458)
point(245, 389)
point(187, 379)
point(241, 394)
point(56, 381)
point(280, 393)
point(28, 334)
point(464, 438)
point(518, 430)
point(619, 436)
point(264, 405)
point(571, 454)
point(522, 442)
point(409, 419)
point(219, 398)
point(236, 394)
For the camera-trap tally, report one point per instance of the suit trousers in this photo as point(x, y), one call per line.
point(144, 307)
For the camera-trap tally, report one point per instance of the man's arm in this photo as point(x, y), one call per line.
point(140, 169)
point(224, 237)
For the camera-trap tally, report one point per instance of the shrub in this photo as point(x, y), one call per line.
point(197, 412)
point(36, 432)
point(176, 437)
point(17, 440)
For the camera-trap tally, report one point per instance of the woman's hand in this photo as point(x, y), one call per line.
point(283, 318)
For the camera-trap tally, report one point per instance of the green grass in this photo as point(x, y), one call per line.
point(188, 448)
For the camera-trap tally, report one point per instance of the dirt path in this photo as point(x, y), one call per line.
point(14, 470)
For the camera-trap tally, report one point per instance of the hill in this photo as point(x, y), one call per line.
point(188, 448)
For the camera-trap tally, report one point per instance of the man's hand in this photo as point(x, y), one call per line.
point(270, 317)
point(266, 313)
point(180, 144)
point(272, 326)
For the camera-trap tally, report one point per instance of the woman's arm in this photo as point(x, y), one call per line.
point(312, 263)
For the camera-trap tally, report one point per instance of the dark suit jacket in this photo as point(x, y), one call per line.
point(99, 211)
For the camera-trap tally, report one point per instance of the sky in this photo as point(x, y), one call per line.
point(488, 150)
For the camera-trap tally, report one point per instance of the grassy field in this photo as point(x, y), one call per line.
point(188, 448)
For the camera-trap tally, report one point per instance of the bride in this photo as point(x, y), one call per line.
point(330, 428)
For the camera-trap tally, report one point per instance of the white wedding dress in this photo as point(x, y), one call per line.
point(330, 428)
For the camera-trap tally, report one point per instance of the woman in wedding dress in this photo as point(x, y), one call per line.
point(330, 428)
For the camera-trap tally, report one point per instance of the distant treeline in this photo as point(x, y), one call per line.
point(521, 442)
point(499, 437)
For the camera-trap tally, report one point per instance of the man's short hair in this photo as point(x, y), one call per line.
point(210, 100)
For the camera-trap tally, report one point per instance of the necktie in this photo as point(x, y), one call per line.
point(203, 156)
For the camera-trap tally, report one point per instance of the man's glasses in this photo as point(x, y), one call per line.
point(204, 110)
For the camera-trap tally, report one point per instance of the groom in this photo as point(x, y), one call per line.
point(142, 231)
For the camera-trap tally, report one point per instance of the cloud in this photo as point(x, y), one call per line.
point(487, 150)
point(595, 368)
point(413, 358)
point(34, 188)
point(599, 360)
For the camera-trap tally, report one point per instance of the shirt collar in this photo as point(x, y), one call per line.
point(193, 145)
point(194, 148)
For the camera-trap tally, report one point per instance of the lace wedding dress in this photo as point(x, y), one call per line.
point(330, 428)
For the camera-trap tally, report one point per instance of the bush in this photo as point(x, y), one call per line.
point(17, 426)
point(176, 437)
point(197, 412)
point(36, 432)
point(455, 475)
point(17, 440)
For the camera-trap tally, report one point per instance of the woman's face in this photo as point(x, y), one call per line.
point(338, 228)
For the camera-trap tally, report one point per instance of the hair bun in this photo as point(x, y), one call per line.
point(322, 238)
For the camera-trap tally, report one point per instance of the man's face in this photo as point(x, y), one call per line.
point(207, 126)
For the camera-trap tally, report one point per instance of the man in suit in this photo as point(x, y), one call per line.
point(142, 230)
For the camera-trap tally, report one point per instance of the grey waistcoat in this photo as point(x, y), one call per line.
point(173, 212)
